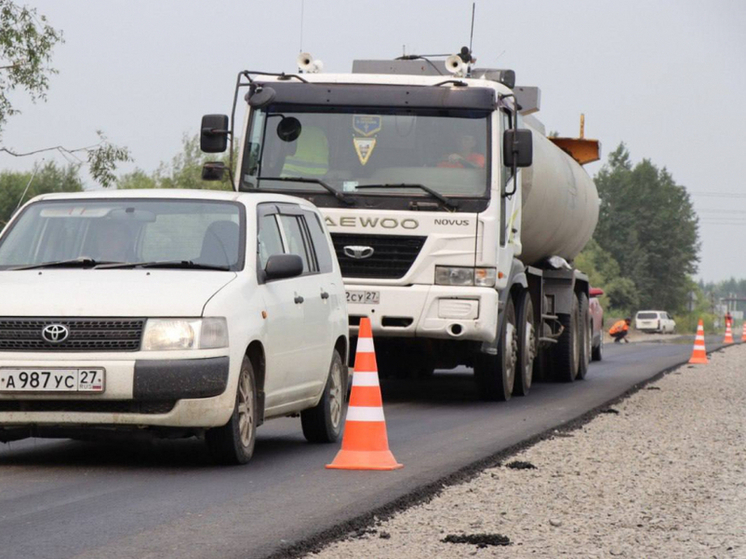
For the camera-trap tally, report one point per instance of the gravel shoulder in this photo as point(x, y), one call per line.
point(661, 474)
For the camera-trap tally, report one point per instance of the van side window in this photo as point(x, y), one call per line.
point(269, 241)
point(296, 240)
point(320, 242)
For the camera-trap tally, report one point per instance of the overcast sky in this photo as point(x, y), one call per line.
point(668, 78)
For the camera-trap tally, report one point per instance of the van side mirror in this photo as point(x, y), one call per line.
point(213, 171)
point(214, 134)
point(282, 266)
point(518, 148)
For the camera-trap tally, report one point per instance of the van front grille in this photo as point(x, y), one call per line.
point(84, 334)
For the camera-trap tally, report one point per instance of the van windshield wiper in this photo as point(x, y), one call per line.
point(338, 194)
point(178, 264)
point(434, 193)
point(80, 262)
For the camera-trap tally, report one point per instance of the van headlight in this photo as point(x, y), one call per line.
point(191, 333)
point(457, 275)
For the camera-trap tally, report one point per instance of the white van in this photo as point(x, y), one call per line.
point(177, 312)
point(655, 322)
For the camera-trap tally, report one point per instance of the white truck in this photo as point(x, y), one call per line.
point(454, 218)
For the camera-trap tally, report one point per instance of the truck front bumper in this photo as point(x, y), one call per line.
point(429, 311)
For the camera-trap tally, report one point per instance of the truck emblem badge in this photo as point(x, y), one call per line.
point(55, 333)
point(364, 148)
point(358, 252)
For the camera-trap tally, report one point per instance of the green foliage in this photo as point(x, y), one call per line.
point(647, 224)
point(184, 171)
point(26, 43)
point(620, 293)
point(48, 178)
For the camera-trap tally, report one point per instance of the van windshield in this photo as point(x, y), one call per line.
point(444, 150)
point(174, 233)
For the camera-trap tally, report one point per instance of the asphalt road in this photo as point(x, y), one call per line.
point(165, 499)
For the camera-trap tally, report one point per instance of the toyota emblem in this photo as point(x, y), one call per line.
point(55, 333)
point(358, 252)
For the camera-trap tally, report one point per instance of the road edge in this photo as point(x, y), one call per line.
point(429, 491)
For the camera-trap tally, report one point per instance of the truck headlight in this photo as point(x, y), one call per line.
point(174, 333)
point(457, 275)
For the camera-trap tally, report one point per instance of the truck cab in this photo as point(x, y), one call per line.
point(417, 172)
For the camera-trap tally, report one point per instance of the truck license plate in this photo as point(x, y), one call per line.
point(364, 297)
point(52, 380)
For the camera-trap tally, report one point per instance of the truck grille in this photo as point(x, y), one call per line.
point(85, 334)
point(392, 256)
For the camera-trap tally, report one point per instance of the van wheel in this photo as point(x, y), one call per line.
point(526, 345)
point(233, 443)
point(566, 352)
point(323, 422)
point(495, 374)
point(586, 332)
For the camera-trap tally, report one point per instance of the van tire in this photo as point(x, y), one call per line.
point(323, 422)
point(233, 443)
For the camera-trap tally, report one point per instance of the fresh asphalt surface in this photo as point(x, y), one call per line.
point(165, 499)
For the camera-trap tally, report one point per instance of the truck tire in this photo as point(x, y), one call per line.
point(233, 443)
point(598, 351)
point(527, 344)
point(323, 422)
point(566, 352)
point(586, 332)
point(495, 374)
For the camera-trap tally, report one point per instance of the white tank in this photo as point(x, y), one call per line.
point(560, 204)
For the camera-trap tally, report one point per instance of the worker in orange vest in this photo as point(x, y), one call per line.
point(619, 330)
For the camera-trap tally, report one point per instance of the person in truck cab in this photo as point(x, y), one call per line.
point(619, 330)
point(464, 156)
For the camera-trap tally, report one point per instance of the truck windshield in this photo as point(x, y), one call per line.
point(85, 233)
point(446, 151)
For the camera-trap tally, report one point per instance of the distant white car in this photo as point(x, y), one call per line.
point(175, 312)
point(655, 322)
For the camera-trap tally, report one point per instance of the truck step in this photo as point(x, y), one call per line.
point(548, 340)
point(549, 317)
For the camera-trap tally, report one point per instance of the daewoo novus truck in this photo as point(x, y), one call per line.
point(454, 218)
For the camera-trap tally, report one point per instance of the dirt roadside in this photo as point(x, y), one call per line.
point(661, 474)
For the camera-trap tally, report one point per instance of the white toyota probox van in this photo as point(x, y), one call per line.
point(177, 312)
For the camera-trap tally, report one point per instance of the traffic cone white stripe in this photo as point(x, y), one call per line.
point(700, 338)
point(365, 345)
point(360, 413)
point(364, 379)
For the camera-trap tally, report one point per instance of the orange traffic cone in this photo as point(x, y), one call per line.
point(699, 355)
point(743, 336)
point(365, 445)
point(728, 333)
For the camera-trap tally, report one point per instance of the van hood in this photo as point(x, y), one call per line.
point(116, 293)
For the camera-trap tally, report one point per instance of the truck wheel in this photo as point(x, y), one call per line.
point(598, 351)
point(526, 344)
point(233, 443)
point(323, 422)
point(566, 352)
point(586, 332)
point(495, 374)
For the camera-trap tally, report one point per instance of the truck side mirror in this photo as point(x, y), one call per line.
point(596, 292)
point(213, 171)
point(518, 149)
point(282, 266)
point(214, 134)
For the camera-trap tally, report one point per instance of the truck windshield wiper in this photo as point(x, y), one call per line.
point(434, 193)
point(338, 194)
point(180, 264)
point(80, 262)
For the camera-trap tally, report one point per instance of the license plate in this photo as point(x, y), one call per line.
point(52, 380)
point(364, 297)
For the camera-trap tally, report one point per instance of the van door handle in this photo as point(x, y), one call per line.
point(298, 299)
point(324, 294)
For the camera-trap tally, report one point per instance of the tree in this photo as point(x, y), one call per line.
point(26, 44)
point(648, 225)
point(184, 171)
point(42, 180)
